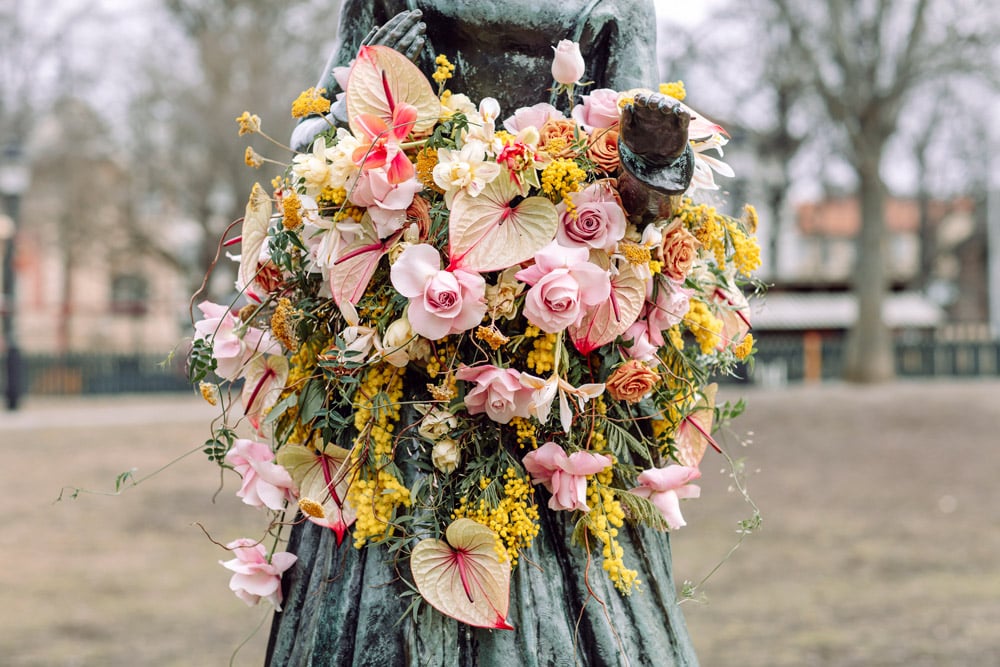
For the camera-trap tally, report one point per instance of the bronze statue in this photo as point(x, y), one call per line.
point(346, 607)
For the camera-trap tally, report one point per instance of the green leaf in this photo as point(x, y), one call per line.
point(311, 401)
point(280, 407)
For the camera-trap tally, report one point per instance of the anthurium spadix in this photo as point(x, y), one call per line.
point(463, 578)
point(609, 319)
point(383, 79)
point(694, 433)
point(265, 377)
point(323, 478)
point(255, 223)
point(498, 228)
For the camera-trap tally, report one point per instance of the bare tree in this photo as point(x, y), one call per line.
point(253, 54)
point(869, 58)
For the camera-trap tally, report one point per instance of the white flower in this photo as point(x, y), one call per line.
point(466, 169)
point(314, 167)
point(444, 455)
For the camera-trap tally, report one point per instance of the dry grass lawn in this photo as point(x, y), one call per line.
point(880, 543)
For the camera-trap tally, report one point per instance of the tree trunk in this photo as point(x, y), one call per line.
point(868, 355)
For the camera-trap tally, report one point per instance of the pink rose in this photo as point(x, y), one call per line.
point(564, 476)
point(386, 201)
point(567, 64)
point(498, 392)
point(564, 283)
point(599, 223)
point(641, 349)
point(265, 484)
point(664, 487)
point(441, 302)
point(599, 110)
point(533, 116)
point(255, 577)
point(666, 304)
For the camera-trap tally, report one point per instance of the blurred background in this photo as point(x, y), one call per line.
point(861, 129)
point(865, 133)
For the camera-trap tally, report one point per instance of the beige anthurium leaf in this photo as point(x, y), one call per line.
point(256, 220)
point(353, 270)
point(487, 233)
point(606, 321)
point(322, 479)
point(695, 431)
point(463, 578)
point(265, 377)
point(380, 79)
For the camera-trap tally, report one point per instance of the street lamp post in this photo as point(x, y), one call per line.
point(14, 180)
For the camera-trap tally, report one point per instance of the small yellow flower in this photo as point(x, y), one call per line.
point(674, 89)
point(249, 123)
point(310, 102)
point(445, 70)
point(252, 158)
point(291, 213)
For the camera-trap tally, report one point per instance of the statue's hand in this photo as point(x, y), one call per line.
point(653, 146)
point(404, 32)
point(655, 128)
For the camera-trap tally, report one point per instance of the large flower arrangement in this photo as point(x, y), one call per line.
point(445, 311)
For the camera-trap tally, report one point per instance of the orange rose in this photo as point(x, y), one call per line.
point(603, 150)
point(631, 381)
point(559, 138)
point(680, 249)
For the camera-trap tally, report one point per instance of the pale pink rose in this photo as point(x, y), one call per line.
point(533, 116)
point(567, 63)
point(498, 392)
point(563, 283)
point(641, 349)
point(564, 476)
point(441, 302)
point(386, 201)
point(265, 484)
point(664, 487)
point(599, 223)
point(734, 311)
point(255, 577)
point(599, 110)
point(667, 302)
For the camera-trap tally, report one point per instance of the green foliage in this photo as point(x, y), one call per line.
point(200, 360)
point(220, 443)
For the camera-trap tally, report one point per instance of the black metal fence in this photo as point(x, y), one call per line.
point(102, 373)
point(780, 359)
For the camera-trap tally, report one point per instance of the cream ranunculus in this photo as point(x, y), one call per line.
point(436, 424)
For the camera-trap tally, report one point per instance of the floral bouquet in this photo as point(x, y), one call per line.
point(446, 310)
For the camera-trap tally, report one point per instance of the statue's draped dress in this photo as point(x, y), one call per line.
point(344, 606)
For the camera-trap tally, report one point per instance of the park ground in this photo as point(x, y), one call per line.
point(880, 541)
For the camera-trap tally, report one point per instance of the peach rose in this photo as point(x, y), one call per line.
point(558, 137)
point(631, 381)
point(680, 249)
point(603, 150)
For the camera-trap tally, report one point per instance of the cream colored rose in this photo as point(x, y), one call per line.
point(500, 298)
point(631, 381)
point(445, 455)
point(436, 424)
point(680, 250)
point(397, 338)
